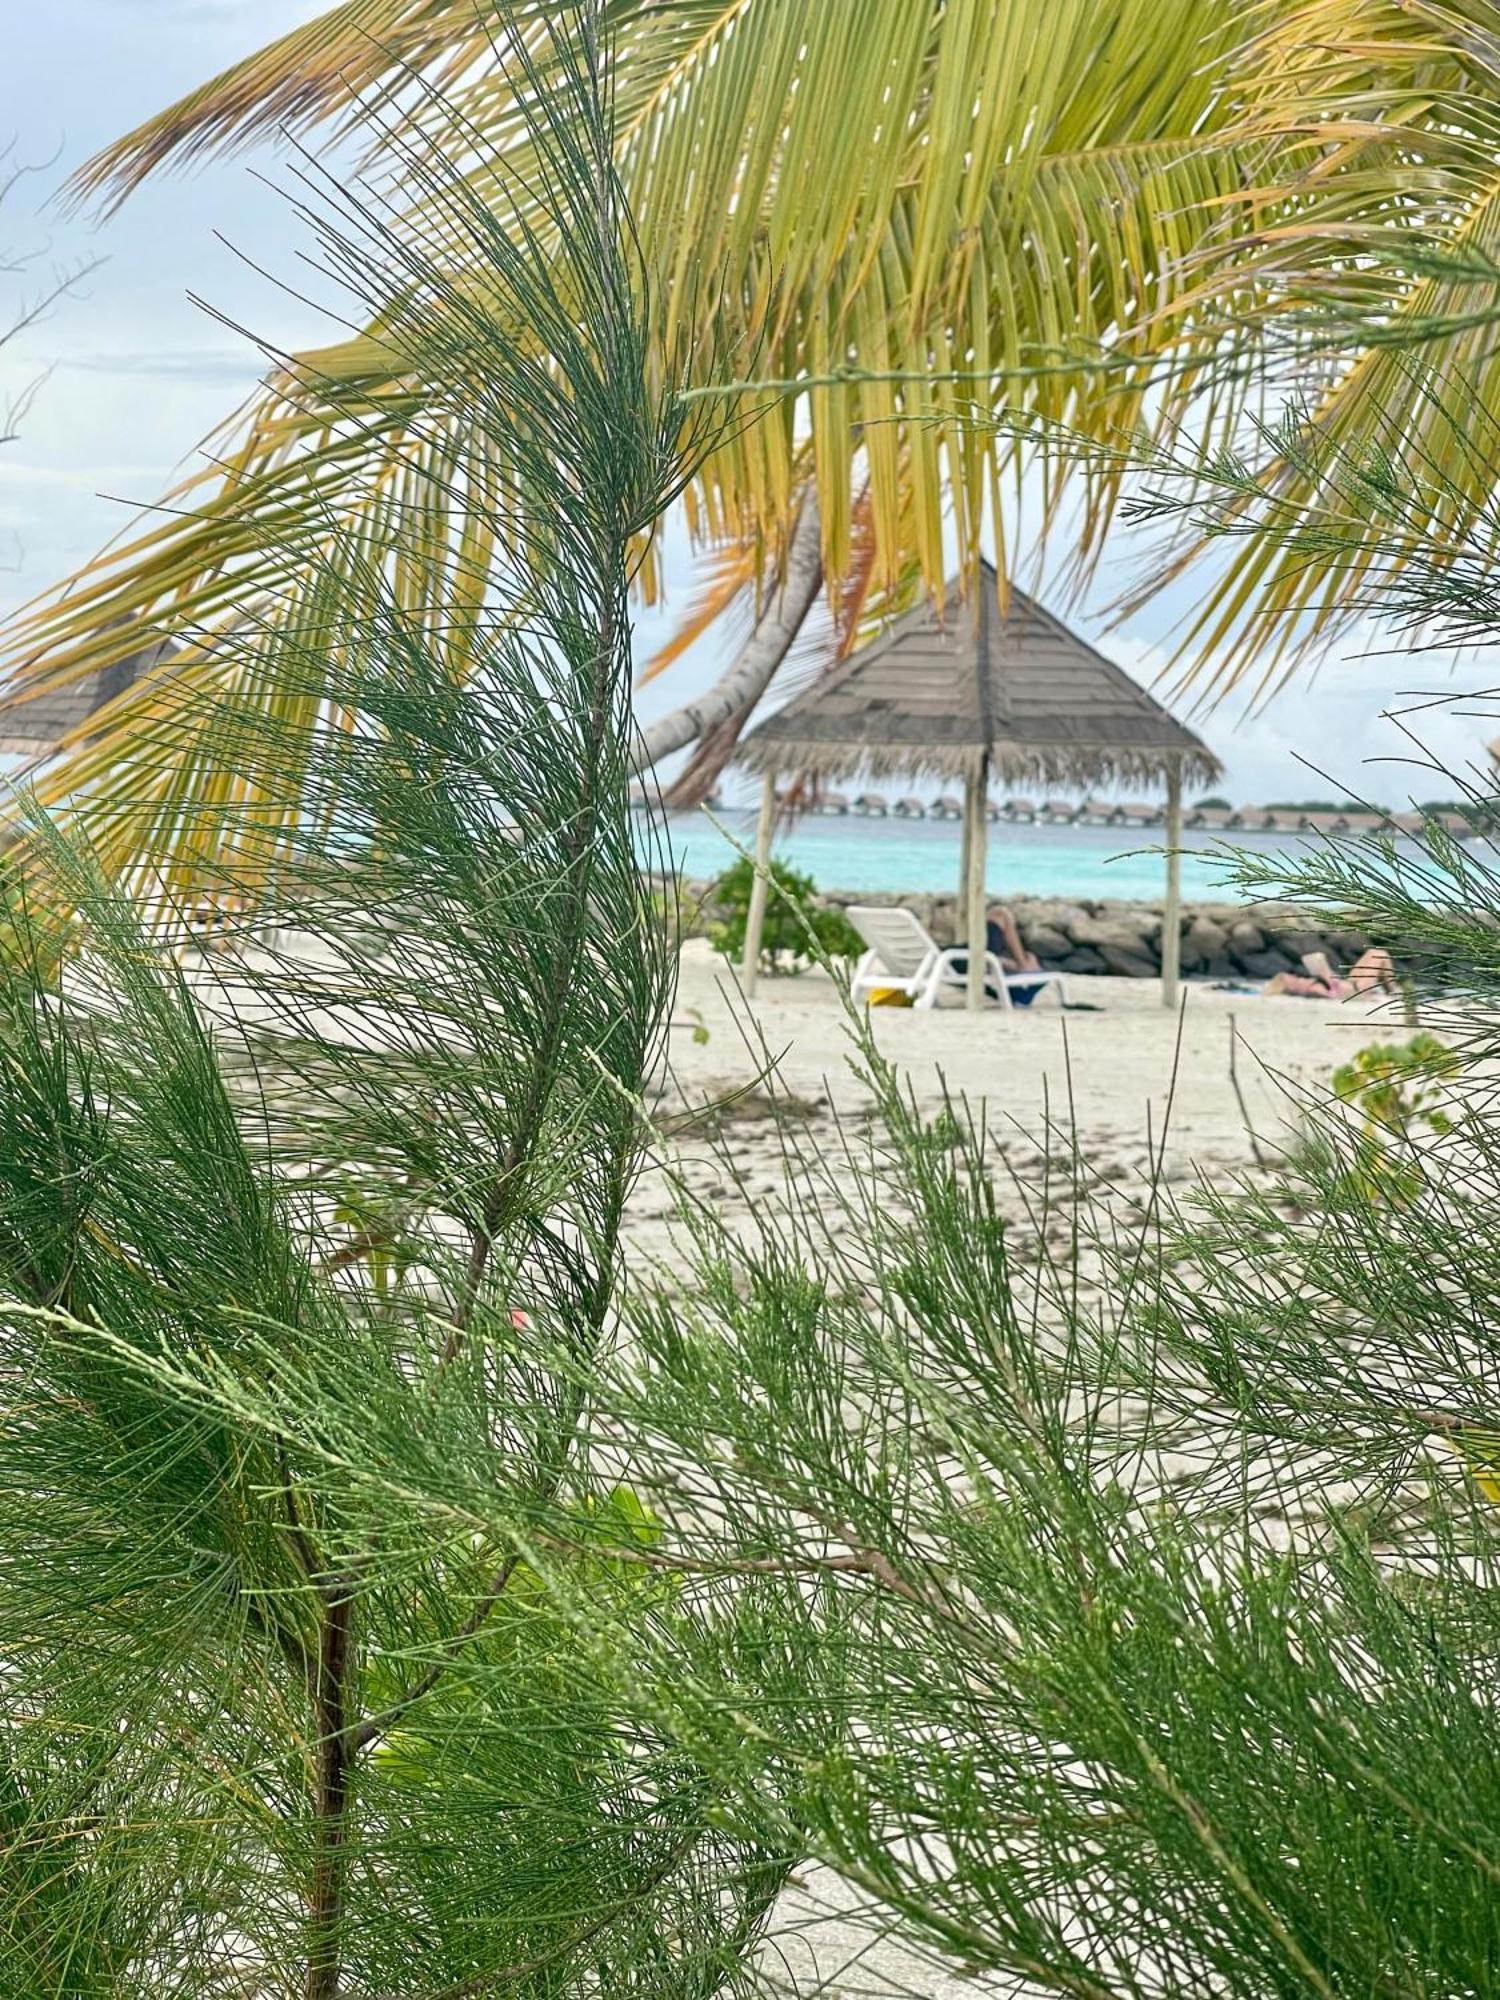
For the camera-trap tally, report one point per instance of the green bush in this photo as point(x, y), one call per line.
point(796, 927)
point(1145, 1553)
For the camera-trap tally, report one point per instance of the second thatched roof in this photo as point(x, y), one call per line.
point(36, 722)
point(947, 685)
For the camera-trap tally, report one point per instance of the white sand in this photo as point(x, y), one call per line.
point(1122, 1056)
point(1118, 1078)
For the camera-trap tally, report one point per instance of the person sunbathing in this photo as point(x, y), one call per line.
point(1003, 938)
point(1372, 971)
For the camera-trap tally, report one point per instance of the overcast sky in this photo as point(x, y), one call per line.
point(136, 374)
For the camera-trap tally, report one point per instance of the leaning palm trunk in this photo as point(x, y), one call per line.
point(726, 705)
point(266, 1729)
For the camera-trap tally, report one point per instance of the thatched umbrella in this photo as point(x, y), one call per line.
point(36, 725)
point(963, 690)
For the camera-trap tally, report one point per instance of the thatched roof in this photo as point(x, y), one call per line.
point(946, 684)
point(37, 725)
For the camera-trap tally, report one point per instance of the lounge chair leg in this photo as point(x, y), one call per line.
point(994, 975)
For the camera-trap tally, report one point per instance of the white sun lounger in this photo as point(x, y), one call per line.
point(903, 954)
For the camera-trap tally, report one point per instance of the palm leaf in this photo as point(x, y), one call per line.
point(921, 209)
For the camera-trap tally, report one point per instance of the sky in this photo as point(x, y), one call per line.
point(126, 375)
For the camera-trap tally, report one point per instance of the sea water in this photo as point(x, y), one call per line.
point(921, 856)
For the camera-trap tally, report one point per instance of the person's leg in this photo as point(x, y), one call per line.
point(1303, 986)
point(1010, 950)
point(1372, 969)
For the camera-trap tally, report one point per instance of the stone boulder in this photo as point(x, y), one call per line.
point(1138, 932)
point(1346, 944)
point(1297, 942)
point(1044, 941)
point(941, 919)
point(1047, 913)
point(1264, 964)
point(1128, 964)
point(1203, 941)
point(1084, 960)
point(1245, 937)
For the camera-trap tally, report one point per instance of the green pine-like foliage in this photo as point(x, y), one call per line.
point(1150, 1544)
point(310, 1202)
point(398, 1597)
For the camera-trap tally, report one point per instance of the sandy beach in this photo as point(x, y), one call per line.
point(1123, 1075)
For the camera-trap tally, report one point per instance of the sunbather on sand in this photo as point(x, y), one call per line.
point(1002, 937)
point(1004, 940)
point(1370, 972)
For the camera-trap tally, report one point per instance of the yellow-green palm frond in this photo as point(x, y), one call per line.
point(306, 78)
point(909, 210)
point(1393, 285)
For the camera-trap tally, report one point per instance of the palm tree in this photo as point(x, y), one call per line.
point(903, 212)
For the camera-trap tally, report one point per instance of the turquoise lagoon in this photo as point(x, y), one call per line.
point(921, 856)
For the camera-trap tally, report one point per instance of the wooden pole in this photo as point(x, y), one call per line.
point(755, 918)
point(977, 841)
point(961, 899)
point(1171, 914)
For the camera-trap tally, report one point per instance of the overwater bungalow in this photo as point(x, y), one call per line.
point(1058, 812)
point(909, 809)
point(1456, 823)
point(835, 804)
point(1210, 819)
point(1019, 812)
point(1327, 824)
point(1137, 812)
point(871, 805)
point(1252, 819)
point(1097, 812)
point(947, 807)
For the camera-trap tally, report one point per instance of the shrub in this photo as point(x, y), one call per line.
point(1161, 1568)
point(797, 927)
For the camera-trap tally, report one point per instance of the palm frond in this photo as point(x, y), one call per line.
point(729, 577)
point(1090, 234)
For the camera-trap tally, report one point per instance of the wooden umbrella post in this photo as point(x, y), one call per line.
point(755, 918)
point(976, 843)
point(961, 900)
point(1171, 913)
